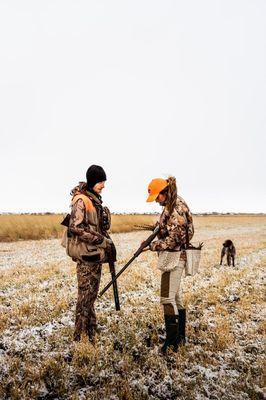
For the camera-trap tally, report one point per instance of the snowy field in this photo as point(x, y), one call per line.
point(223, 358)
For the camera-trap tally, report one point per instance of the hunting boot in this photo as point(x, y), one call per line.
point(182, 325)
point(172, 333)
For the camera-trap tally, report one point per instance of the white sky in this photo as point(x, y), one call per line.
point(143, 88)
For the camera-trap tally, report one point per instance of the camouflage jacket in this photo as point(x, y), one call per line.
point(84, 221)
point(174, 228)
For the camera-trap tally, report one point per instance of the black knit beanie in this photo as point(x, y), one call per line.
point(95, 174)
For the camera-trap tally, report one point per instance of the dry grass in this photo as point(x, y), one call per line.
point(35, 227)
point(223, 358)
point(29, 227)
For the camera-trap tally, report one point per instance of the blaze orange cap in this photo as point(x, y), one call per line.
point(155, 187)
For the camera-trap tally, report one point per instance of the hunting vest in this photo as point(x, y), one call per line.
point(97, 216)
point(94, 220)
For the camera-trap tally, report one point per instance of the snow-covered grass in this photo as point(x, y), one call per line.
point(223, 358)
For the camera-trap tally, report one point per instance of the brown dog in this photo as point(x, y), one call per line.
point(229, 250)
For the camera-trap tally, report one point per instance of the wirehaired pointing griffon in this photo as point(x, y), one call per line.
point(229, 250)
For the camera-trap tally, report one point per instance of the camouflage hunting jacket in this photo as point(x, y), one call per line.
point(84, 219)
point(174, 228)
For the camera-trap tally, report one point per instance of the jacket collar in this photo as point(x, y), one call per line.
point(96, 198)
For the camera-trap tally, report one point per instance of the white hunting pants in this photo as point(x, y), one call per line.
point(171, 294)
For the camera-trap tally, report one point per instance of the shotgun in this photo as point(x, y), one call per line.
point(136, 254)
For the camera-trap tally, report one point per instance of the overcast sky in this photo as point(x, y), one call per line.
point(144, 88)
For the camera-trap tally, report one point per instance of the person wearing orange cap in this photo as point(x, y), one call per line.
point(176, 230)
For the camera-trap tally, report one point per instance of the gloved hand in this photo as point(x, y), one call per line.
point(111, 251)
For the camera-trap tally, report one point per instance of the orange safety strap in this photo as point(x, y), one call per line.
point(88, 203)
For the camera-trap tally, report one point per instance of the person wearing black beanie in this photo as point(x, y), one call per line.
point(89, 245)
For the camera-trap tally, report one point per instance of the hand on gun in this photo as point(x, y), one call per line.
point(145, 248)
point(111, 251)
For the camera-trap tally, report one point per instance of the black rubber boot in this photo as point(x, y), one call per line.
point(182, 325)
point(172, 333)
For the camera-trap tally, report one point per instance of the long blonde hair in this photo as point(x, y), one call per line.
point(171, 191)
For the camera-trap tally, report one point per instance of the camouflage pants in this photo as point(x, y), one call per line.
point(89, 275)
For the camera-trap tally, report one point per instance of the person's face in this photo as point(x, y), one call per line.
point(161, 199)
point(98, 187)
